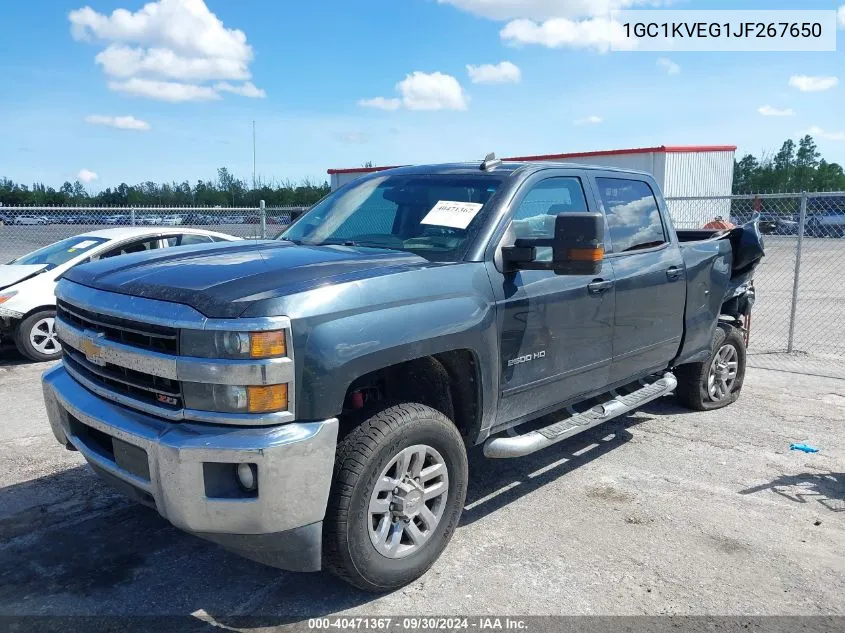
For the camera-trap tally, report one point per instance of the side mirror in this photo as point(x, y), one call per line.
point(577, 247)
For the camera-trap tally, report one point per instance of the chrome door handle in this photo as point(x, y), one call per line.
point(599, 287)
point(674, 273)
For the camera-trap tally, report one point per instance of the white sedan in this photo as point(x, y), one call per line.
point(28, 283)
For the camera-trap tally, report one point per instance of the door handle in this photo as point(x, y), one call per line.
point(674, 273)
point(599, 287)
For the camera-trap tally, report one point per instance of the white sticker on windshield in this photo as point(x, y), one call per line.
point(456, 215)
point(83, 244)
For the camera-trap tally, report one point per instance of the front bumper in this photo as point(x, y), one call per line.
point(181, 469)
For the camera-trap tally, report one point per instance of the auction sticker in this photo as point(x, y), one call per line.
point(456, 215)
point(85, 244)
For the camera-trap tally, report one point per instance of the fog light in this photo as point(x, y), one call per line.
point(247, 476)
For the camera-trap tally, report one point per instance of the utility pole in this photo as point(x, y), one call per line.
point(253, 154)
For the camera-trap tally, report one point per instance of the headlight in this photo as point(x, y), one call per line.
point(5, 296)
point(235, 399)
point(218, 344)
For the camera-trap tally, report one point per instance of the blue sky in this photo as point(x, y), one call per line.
point(306, 68)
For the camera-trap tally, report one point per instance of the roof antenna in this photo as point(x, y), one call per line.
point(490, 162)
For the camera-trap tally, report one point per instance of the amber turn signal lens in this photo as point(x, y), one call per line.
point(267, 399)
point(267, 344)
point(586, 254)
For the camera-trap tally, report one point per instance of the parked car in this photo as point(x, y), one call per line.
point(27, 284)
point(30, 220)
point(829, 223)
point(309, 402)
point(200, 219)
point(777, 224)
point(172, 220)
point(117, 219)
point(232, 219)
point(148, 220)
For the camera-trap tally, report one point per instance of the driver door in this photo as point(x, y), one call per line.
point(556, 331)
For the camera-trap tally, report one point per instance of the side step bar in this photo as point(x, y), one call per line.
point(521, 445)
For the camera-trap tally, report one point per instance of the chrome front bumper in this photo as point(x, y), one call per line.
point(181, 475)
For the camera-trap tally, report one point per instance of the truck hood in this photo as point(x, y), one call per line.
point(223, 280)
point(12, 273)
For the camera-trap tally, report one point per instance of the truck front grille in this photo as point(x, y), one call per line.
point(161, 392)
point(136, 334)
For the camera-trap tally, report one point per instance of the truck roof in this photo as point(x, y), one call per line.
point(506, 168)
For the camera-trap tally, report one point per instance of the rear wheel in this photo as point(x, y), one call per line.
point(717, 382)
point(36, 337)
point(398, 491)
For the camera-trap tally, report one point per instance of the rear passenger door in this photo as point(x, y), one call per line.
point(649, 273)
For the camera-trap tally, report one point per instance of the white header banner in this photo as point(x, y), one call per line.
point(729, 30)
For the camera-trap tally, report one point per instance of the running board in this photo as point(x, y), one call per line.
point(527, 443)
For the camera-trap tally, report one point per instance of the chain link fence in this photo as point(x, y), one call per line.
point(799, 318)
point(800, 310)
point(25, 229)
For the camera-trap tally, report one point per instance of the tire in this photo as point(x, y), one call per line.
point(694, 389)
point(36, 339)
point(363, 460)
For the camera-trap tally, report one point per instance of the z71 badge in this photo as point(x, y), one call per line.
point(527, 358)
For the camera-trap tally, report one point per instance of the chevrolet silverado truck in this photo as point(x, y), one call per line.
point(309, 402)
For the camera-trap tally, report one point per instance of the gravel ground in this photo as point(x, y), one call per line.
point(662, 512)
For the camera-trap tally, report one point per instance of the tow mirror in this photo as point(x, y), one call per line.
point(577, 247)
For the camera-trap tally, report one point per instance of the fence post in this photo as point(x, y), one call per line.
point(796, 279)
point(263, 216)
point(132, 216)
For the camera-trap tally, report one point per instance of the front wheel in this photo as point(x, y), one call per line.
point(716, 382)
point(36, 337)
point(398, 491)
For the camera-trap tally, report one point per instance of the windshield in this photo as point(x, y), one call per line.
point(60, 252)
point(432, 216)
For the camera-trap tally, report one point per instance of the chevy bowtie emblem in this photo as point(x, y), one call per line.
point(91, 348)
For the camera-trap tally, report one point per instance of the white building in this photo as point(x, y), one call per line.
point(681, 171)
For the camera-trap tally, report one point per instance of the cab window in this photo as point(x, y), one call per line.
point(633, 217)
point(535, 216)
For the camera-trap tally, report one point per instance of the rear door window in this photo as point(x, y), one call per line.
point(633, 216)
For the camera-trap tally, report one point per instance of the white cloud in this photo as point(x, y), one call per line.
point(87, 176)
point(118, 60)
point(247, 89)
point(380, 103)
point(669, 66)
point(164, 90)
point(501, 73)
point(594, 33)
point(588, 120)
point(840, 14)
point(542, 9)
point(432, 91)
point(423, 91)
point(809, 83)
point(820, 133)
point(119, 122)
point(768, 110)
point(167, 50)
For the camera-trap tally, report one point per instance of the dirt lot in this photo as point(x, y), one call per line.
point(665, 511)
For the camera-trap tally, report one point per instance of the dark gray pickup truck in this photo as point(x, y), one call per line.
point(309, 402)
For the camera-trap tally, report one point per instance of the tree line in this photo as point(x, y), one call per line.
point(794, 168)
point(225, 191)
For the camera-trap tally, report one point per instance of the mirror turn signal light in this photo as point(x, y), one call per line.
point(585, 254)
point(267, 398)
